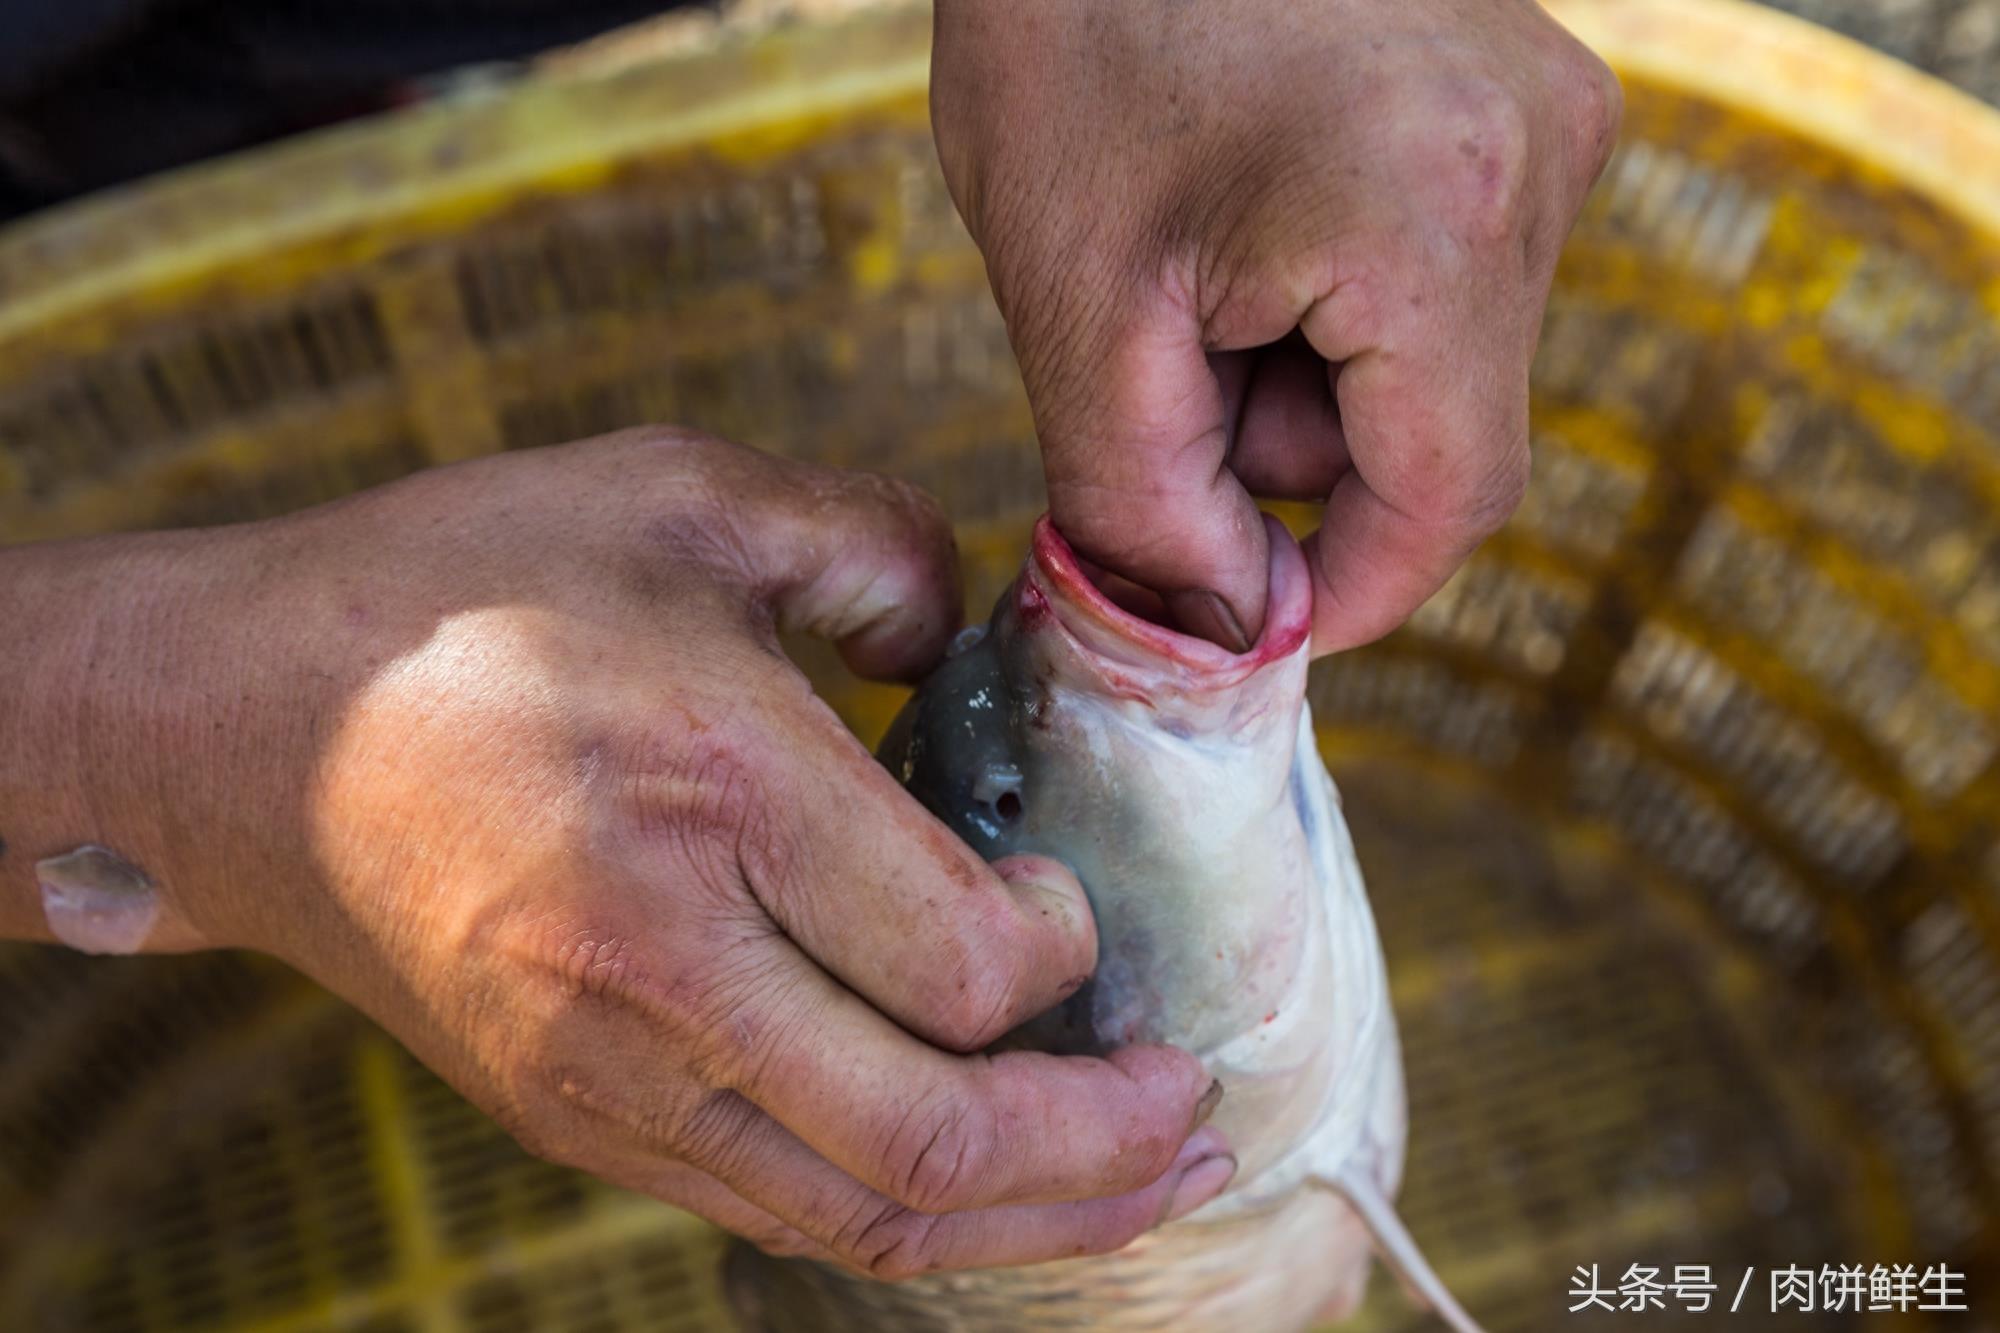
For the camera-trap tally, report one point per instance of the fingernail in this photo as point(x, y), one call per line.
point(1203, 1143)
point(1206, 614)
point(1205, 1108)
point(1205, 1165)
point(1198, 1184)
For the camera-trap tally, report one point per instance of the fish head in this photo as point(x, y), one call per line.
point(1077, 678)
point(1157, 766)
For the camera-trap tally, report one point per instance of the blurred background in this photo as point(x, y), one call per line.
point(1680, 804)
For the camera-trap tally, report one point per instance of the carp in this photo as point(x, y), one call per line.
point(1182, 784)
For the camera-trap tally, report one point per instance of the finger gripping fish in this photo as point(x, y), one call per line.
point(1181, 783)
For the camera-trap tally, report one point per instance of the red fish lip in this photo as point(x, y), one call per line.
point(1059, 585)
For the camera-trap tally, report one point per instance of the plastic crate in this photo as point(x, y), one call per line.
point(1680, 804)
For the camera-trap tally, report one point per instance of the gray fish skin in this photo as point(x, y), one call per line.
point(1182, 784)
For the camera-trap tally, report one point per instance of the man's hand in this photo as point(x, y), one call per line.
point(1292, 249)
point(508, 754)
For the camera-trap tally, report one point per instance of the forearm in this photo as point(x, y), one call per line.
point(118, 694)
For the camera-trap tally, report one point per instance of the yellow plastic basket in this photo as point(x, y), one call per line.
point(1680, 804)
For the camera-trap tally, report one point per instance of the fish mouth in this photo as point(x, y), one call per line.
point(1119, 626)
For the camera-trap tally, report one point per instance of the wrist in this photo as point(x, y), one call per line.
point(120, 698)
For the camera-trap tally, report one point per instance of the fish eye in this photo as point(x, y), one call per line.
point(1008, 807)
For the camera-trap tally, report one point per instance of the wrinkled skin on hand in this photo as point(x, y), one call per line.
point(1292, 249)
point(509, 755)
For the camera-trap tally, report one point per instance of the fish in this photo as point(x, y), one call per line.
point(1182, 784)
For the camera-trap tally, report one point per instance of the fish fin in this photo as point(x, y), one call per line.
point(1398, 1247)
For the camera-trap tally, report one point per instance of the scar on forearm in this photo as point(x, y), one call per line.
point(97, 901)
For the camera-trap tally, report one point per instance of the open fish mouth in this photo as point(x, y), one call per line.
point(1121, 629)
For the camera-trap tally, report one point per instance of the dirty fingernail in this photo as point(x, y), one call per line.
point(1198, 1184)
point(1205, 1108)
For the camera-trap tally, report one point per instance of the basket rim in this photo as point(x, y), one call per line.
point(1822, 85)
point(372, 184)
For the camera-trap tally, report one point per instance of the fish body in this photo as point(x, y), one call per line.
point(1182, 784)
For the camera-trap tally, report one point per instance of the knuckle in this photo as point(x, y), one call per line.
point(772, 855)
point(1593, 106)
point(1486, 144)
point(705, 793)
point(683, 444)
point(909, 505)
point(712, 1136)
point(980, 992)
point(749, 1022)
point(709, 526)
point(703, 532)
point(711, 469)
point(780, 1241)
point(889, 1242)
point(938, 1154)
point(969, 1019)
point(597, 963)
point(909, 530)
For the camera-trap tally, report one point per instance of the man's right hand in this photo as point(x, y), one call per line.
point(508, 755)
point(1273, 249)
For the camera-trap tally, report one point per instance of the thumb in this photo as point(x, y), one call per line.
point(866, 561)
point(902, 912)
point(1047, 889)
point(1135, 439)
